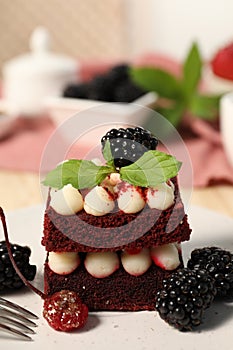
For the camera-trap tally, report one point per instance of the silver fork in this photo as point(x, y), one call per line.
point(16, 320)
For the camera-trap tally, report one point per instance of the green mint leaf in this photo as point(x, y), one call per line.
point(158, 80)
point(63, 174)
point(205, 106)
point(108, 154)
point(174, 114)
point(152, 168)
point(79, 173)
point(191, 71)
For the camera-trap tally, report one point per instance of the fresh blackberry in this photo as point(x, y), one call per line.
point(218, 263)
point(184, 297)
point(112, 86)
point(101, 88)
point(76, 91)
point(8, 277)
point(118, 73)
point(127, 145)
point(127, 91)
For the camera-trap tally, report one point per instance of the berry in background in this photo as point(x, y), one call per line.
point(222, 63)
point(113, 86)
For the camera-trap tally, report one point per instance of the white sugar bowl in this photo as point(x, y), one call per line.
point(30, 78)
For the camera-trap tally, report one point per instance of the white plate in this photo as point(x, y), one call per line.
point(138, 331)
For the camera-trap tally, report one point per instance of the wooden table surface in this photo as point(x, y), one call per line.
point(22, 189)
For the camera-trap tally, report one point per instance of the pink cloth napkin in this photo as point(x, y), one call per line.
point(23, 149)
point(209, 161)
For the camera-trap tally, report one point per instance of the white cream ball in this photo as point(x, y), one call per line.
point(136, 264)
point(66, 201)
point(130, 199)
point(160, 197)
point(98, 202)
point(101, 264)
point(63, 263)
point(166, 256)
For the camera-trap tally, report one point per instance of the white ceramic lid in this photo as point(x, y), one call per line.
point(40, 60)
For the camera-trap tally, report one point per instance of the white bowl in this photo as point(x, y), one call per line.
point(226, 123)
point(61, 108)
point(6, 121)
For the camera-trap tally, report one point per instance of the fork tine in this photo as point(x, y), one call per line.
point(14, 332)
point(17, 316)
point(18, 324)
point(17, 308)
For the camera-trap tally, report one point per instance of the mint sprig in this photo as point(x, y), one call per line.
point(205, 106)
point(192, 69)
point(151, 169)
point(156, 79)
point(79, 173)
point(178, 95)
point(107, 153)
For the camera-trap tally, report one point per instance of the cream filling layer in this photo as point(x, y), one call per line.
point(103, 264)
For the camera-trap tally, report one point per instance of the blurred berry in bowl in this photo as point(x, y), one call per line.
point(113, 86)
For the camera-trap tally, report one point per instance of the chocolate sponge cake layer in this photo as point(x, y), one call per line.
point(65, 241)
point(88, 233)
point(119, 291)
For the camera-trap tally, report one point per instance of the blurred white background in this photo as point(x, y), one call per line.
point(117, 28)
point(169, 26)
point(79, 28)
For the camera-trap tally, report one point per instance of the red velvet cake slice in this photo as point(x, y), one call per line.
point(113, 231)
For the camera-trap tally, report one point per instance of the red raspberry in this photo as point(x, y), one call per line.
point(65, 311)
point(222, 63)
